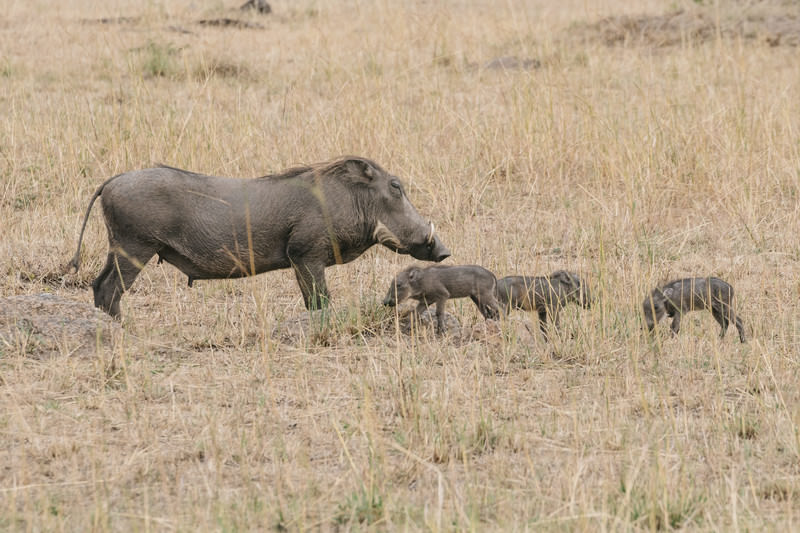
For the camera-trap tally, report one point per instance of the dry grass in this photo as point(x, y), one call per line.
point(630, 163)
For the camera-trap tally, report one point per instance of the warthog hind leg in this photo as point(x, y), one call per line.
point(724, 314)
point(120, 271)
point(717, 310)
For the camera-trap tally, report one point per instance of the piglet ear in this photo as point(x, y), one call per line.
point(414, 274)
point(367, 170)
point(564, 277)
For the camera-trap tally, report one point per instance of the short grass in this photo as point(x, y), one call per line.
point(629, 160)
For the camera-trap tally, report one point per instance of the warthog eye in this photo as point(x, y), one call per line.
point(396, 185)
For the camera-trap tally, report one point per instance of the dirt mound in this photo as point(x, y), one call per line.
point(44, 325)
point(513, 63)
point(112, 20)
point(776, 27)
point(226, 22)
point(262, 6)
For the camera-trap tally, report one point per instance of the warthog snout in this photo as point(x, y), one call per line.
point(398, 291)
point(431, 250)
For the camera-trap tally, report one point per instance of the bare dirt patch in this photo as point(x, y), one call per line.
point(315, 329)
point(681, 26)
point(513, 63)
point(44, 325)
point(112, 20)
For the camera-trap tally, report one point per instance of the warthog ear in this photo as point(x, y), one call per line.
point(361, 168)
point(414, 274)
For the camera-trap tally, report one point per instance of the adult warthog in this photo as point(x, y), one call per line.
point(209, 227)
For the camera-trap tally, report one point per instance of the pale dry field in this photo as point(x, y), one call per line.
point(633, 161)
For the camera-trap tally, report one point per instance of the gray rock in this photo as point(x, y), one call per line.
point(427, 320)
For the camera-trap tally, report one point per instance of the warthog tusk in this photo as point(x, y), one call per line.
point(430, 235)
point(384, 235)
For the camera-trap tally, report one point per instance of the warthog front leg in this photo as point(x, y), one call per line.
point(554, 319)
point(556, 316)
point(440, 307)
point(676, 323)
point(311, 278)
point(416, 316)
point(543, 322)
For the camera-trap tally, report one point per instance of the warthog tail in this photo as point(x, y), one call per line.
point(74, 263)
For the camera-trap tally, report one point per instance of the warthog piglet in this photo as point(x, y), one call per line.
point(437, 284)
point(692, 294)
point(543, 294)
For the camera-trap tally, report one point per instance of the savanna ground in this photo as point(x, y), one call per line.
point(628, 141)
